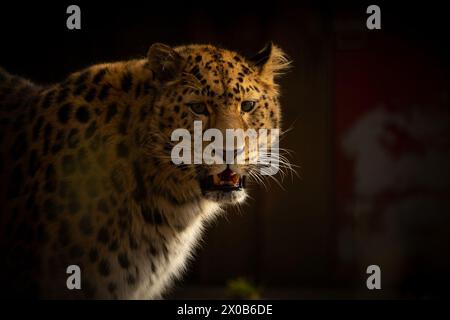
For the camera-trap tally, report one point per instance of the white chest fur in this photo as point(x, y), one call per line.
point(153, 284)
point(180, 248)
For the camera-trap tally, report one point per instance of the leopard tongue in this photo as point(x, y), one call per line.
point(226, 177)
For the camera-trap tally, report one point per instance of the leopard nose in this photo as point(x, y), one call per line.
point(230, 155)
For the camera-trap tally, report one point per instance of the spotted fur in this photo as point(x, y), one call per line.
point(86, 171)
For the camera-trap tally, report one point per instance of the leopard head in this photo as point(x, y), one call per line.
point(203, 87)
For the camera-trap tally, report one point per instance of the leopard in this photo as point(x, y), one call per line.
point(87, 175)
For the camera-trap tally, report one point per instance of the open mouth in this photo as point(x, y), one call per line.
point(227, 180)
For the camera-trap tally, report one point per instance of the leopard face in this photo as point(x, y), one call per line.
point(223, 90)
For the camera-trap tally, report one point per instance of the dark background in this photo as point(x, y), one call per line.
point(310, 239)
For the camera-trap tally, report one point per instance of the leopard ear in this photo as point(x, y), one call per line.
point(164, 61)
point(271, 62)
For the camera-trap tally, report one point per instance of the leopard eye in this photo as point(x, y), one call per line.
point(198, 108)
point(247, 106)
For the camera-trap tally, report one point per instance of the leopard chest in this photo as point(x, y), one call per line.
point(159, 263)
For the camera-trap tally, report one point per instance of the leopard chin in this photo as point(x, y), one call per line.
point(226, 197)
point(226, 187)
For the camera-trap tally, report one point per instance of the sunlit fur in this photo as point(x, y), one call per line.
point(113, 189)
